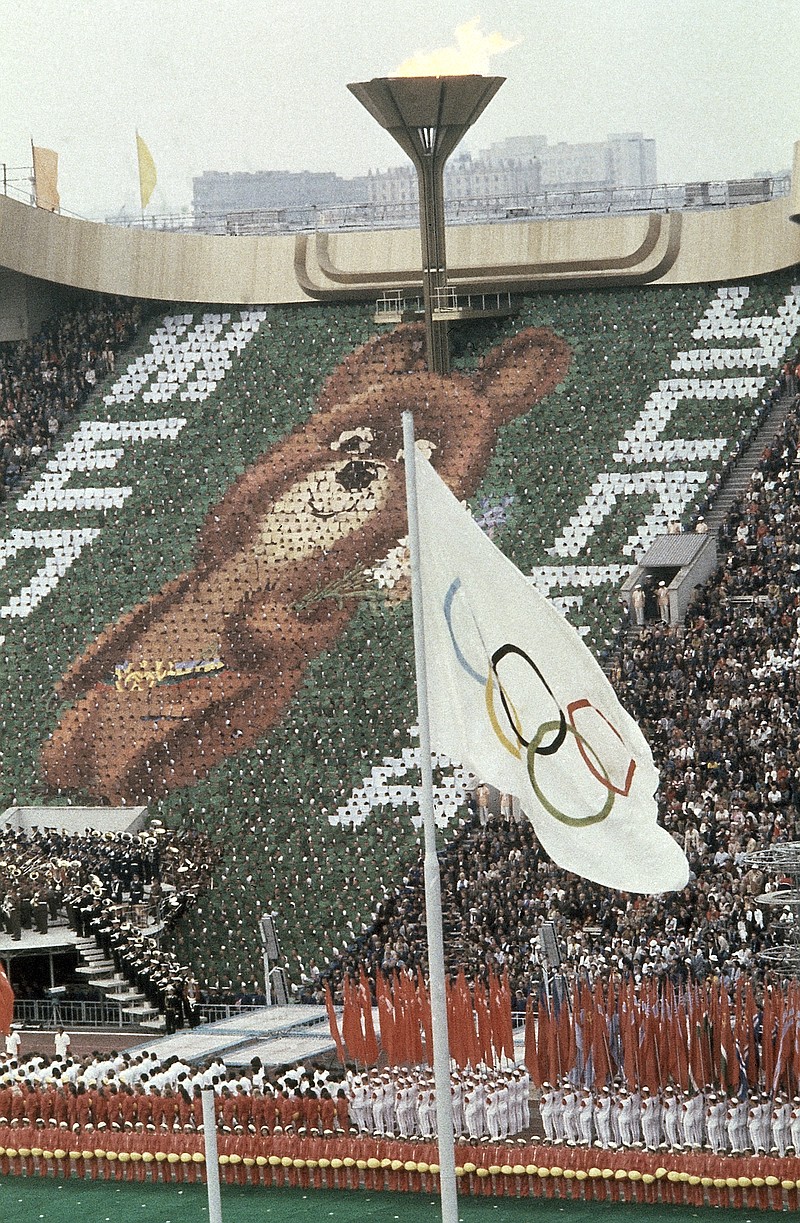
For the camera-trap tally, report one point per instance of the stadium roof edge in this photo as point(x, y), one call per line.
point(40, 249)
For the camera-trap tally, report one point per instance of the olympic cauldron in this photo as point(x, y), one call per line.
point(428, 116)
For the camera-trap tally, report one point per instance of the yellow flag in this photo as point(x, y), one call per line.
point(45, 178)
point(147, 171)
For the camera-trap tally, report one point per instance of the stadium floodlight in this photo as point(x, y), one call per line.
point(269, 937)
point(270, 949)
point(783, 860)
point(428, 116)
point(548, 945)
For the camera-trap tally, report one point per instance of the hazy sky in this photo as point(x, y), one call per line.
point(261, 84)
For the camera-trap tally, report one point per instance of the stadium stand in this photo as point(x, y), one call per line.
point(639, 429)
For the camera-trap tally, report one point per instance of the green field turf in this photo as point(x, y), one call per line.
point(27, 1201)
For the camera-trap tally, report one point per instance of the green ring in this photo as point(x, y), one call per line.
point(570, 821)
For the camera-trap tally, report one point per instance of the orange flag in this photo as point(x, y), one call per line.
point(387, 1015)
point(505, 1026)
point(531, 1050)
point(6, 1002)
point(424, 1004)
point(484, 1023)
point(370, 1040)
point(351, 1022)
point(333, 1024)
point(680, 1061)
point(45, 178)
point(729, 1067)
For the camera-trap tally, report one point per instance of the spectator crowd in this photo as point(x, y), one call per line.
point(122, 889)
point(44, 381)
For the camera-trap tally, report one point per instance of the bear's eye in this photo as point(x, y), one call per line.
point(356, 475)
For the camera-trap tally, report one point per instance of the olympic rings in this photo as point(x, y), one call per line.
point(570, 821)
point(496, 658)
point(510, 747)
point(511, 735)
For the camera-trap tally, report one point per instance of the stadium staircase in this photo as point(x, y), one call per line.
point(738, 479)
point(117, 990)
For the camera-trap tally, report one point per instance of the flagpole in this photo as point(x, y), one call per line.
point(212, 1159)
point(139, 169)
point(433, 890)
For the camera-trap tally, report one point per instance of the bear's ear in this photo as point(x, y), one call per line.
point(392, 352)
point(522, 370)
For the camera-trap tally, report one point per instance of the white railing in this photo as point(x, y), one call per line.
point(550, 204)
point(395, 302)
point(452, 299)
point(48, 1013)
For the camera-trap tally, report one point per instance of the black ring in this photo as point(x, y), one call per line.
point(561, 734)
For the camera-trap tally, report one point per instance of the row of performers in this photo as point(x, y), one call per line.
point(615, 1116)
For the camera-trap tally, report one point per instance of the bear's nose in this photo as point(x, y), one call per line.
point(356, 475)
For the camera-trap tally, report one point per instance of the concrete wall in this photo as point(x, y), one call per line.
point(676, 248)
point(150, 264)
point(75, 820)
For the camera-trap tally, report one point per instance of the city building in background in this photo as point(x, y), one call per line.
point(521, 165)
point(217, 192)
point(519, 178)
point(526, 165)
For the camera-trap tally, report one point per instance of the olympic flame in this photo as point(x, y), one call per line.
point(471, 54)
